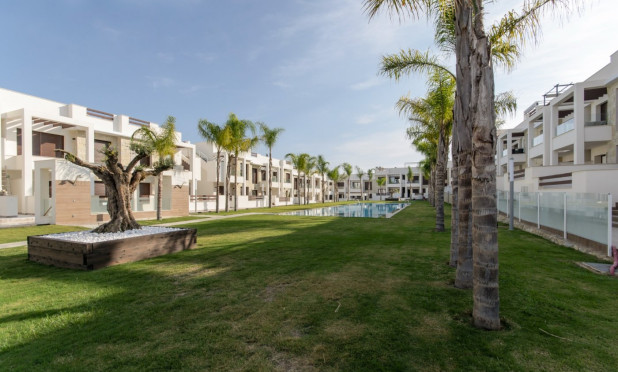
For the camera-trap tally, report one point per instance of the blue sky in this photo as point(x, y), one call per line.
point(307, 66)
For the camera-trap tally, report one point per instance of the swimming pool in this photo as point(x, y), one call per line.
point(367, 210)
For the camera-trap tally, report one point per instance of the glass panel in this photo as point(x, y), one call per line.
point(528, 202)
point(537, 140)
point(552, 210)
point(567, 126)
point(587, 216)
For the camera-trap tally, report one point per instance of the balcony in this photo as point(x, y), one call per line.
point(537, 140)
point(567, 126)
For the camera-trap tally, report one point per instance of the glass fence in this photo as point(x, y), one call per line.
point(584, 215)
point(537, 140)
point(565, 127)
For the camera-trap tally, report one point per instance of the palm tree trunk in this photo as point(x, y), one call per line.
point(485, 233)
point(323, 189)
point(159, 195)
point(270, 178)
point(454, 209)
point(440, 173)
point(226, 192)
point(463, 14)
point(235, 182)
point(218, 180)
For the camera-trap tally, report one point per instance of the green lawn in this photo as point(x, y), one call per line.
point(18, 234)
point(286, 293)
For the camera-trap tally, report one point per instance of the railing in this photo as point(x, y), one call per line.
point(595, 123)
point(255, 197)
point(194, 198)
point(537, 140)
point(567, 126)
point(532, 108)
point(135, 121)
point(275, 179)
point(575, 215)
point(100, 114)
point(562, 179)
point(521, 173)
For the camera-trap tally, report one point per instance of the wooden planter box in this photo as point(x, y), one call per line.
point(92, 256)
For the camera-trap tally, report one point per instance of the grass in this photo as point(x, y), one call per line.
point(285, 293)
point(19, 234)
point(169, 220)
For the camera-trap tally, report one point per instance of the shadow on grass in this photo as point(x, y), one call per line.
point(270, 292)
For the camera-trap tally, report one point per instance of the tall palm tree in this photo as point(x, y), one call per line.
point(370, 177)
point(163, 143)
point(347, 168)
point(219, 136)
point(269, 137)
point(475, 121)
point(334, 175)
point(310, 170)
point(321, 165)
point(360, 173)
point(299, 161)
point(239, 142)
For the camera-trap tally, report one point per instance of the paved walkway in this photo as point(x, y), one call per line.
point(197, 220)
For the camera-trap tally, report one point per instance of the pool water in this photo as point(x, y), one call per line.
point(367, 210)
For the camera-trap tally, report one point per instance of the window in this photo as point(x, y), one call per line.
point(99, 148)
point(45, 144)
point(340, 184)
point(99, 189)
point(287, 178)
point(368, 186)
point(356, 185)
point(263, 175)
point(144, 190)
point(145, 162)
point(18, 141)
point(254, 175)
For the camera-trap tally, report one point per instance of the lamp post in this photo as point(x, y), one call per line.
point(511, 192)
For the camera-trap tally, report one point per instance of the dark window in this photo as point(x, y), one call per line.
point(145, 162)
point(603, 113)
point(287, 178)
point(99, 149)
point(368, 185)
point(45, 144)
point(221, 190)
point(340, 184)
point(254, 175)
point(144, 189)
point(50, 188)
point(99, 189)
point(263, 175)
point(18, 141)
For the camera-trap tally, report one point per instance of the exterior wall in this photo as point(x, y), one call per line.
point(73, 201)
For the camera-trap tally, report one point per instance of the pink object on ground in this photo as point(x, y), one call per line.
point(615, 265)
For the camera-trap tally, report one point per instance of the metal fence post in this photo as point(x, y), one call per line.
point(610, 224)
point(538, 210)
point(564, 228)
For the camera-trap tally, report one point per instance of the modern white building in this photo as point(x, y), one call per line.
point(40, 182)
point(567, 141)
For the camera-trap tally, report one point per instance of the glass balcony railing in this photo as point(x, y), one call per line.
point(537, 140)
point(505, 152)
point(567, 126)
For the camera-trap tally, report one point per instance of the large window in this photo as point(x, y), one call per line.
point(45, 144)
point(99, 149)
point(144, 190)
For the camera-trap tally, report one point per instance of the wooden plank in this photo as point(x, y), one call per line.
point(51, 262)
point(60, 256)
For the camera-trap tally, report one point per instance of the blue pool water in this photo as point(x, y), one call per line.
point(368, 210)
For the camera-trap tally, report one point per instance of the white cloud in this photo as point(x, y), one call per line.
point(369, 83)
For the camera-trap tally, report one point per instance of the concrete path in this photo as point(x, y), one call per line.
point(13, 245)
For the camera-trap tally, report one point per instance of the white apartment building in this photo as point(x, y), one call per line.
point(397, 185)
point(251, 179)
point(567, 141)
point(40, 182)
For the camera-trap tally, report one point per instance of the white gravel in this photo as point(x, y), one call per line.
point(90, 237)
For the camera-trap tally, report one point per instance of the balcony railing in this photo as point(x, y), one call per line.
point(595, 123)
point(537, 140)
point(567, 126)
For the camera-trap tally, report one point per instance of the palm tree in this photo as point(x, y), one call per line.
point(321, 165)
point(381, 181)
point(163, 143)
point(269, 137)
point(309, 171)
point(370, 176)
point(219, 136)
point(239, 142)
point(410, 176)
point(347, 168)
point(299, 161)
point(334, 175)
point(475, 121)
point(360, 174)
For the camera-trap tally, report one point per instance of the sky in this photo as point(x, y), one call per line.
point(308, 66)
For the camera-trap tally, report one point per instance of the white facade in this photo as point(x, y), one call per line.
point(32, 128)
point(567, 142)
